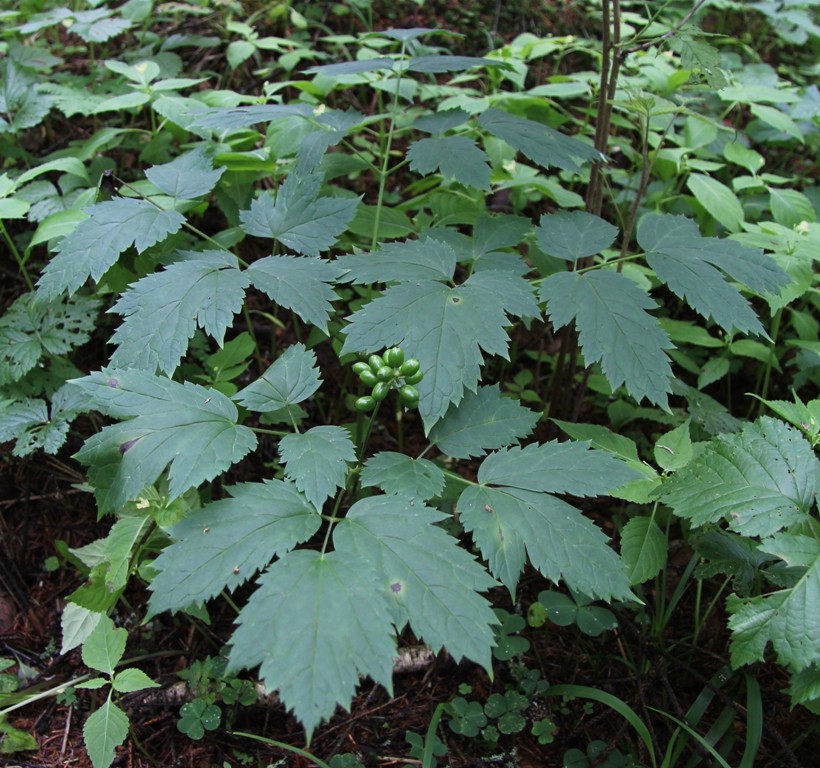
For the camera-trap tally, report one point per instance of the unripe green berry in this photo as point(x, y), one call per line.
point(409, 367)
point(415, 378)
point(375, 362)
point(394, 356)
point(365, 404)
point(367, 377)
point(360, 366)
point(380, 391)
point(409, 396)
point(385, 373)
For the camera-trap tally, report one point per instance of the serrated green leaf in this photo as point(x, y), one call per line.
point(573, 235)
point(717, 200)
point(233, 118)
point(538, 142)
point(187, 428)
point(32, 329)
point(162, 311)
point(730, 554)
point(804, 687)
point(455, 157)
point(554, 467)
point(790, 207)
point(614, 329)
point(317, 461)
point(509, 524)
point(96, 244)
point(482, 421)
point(437, 64)
point(441, 122)
point(400, 475)
point(696, 54)
point(428, 320)
point(778, 120)
point(759, 481)
point(290, 380)
point(118, 548)
point(351, 67)
point(77, 624)
point(34, 428)
point(430, 582)
point(130, 680)
point(314, 625)
point(226, 542)
point(299, 218)
point(188, 176)
point(493, 232)
point(643, 549)
point(789, 619)
point(103, 732)
point(427, 258)
point(22, 103)
point(104, 646)
point(300, 284)
point(98, 26)
point(691, 266)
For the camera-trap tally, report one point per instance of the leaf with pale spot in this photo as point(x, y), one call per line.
point(226, 542)
point(429, 580)
point(188, 429)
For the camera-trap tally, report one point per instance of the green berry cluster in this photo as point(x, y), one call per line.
point(386, 372)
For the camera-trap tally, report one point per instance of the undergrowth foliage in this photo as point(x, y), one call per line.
point(242, 278)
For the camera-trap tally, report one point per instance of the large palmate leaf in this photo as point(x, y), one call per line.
point(300, 284)
point(187, 428)
point(573, 235)
point(290, 380)
point(162, 311)
point(614, 329)
point(317, 460)
point(97, 242)
point(789, 619)
point(427, 258)
point(691, 266)
point(189, 175)
point(400, 475)
point(298, 218)
point(538, 142)
point(32, 329)
point(512, 514)
point(760, 480)
point(314, 625)
point(455, 157)
point(482, 421)
point(430, 581)
point(225, 543)
point(446, 328)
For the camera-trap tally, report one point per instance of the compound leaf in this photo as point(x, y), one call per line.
point(509, 524)
point(427, 258)
point(103, 732)
point(314, 625)
point(188, 176)
point(455, 157)
point(187, 428)
point(691, 266)
point(162, 311)
point(223, 544)
point(438, 63)
point(482, 421)
point(31, 329)
point(789, 619)
point(400, 475)
point(299, 218)
point(614, 329)
point(290, 380)
point(760, 480)
point(429, 580)
point(573, 235)
point(538, 142)
point(300, 284)
point(97, 242)
point(317, 460)
point(431, 322)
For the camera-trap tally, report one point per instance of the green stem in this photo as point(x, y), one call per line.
point(20, 263)
point(272, 742)
point(767, 375)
